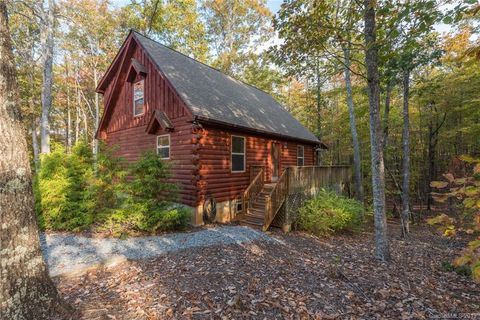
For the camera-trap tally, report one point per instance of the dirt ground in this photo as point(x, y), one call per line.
point(296, 276)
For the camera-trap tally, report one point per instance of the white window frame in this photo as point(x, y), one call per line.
point(133, 97)
point(238, 153)
point(302, 157)
point(164, 147)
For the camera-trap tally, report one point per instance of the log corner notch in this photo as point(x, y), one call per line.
point(159, 120)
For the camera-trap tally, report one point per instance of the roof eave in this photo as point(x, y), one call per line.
point(203, 119)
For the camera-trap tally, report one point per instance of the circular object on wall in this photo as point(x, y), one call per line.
point(209, 209)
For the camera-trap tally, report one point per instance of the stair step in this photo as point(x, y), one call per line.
point(255, 215)
point(257, 211)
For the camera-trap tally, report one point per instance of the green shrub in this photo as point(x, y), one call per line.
point(61, 189)
point(150, 179)
point(72, 196)
point(107, 187)
point(146, 204)
point(329, 212)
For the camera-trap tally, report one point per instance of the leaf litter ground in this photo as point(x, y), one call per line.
point(296, 276)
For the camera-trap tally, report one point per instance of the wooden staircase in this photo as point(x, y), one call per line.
point(255, 215)
point(262, 201)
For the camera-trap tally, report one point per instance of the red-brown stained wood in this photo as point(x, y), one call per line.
point(200, 158)
point(216, 176)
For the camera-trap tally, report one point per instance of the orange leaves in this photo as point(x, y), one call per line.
point(449, 177)
point(440, 197)
point(476, 169)
point(438, 184)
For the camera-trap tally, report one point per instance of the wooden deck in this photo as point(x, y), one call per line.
point(262, 201)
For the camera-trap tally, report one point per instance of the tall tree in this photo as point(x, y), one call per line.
point(26, 291)
point(382, 250)
point(175, 23)
point(233, 28)
point(92, 33)
point(47, 19)
point(414, 45)
point(326, 30)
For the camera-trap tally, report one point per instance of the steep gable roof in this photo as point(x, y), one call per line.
point(213, 96)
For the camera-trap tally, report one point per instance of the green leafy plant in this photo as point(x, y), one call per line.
point(61, 185)
point(147, 202)
point(72, 195)
point(329, 212)
point(467, 191)
point(150, 179)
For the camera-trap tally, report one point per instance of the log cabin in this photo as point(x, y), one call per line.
point(228, 142)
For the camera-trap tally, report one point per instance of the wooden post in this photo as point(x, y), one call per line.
point(287, 224)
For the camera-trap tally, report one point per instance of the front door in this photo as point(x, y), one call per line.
point(275, 161)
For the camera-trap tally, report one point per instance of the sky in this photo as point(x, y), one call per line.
point(274, 6)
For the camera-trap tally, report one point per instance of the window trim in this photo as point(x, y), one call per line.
point(303, 155)
point(163, 147)
point(133, 98)
point(238, 203)
point(237, 153)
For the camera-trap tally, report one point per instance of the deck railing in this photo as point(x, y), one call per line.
point(252, 191)
point(311, 179)
point(254, 170)
point(274, 201)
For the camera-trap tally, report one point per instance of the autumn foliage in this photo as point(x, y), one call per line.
point(466, 192)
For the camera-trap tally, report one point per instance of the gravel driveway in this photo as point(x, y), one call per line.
point(67, 253)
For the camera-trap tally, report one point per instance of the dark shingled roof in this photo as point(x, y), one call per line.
point(214, 96)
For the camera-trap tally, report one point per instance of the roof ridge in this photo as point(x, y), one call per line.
point(209, 66)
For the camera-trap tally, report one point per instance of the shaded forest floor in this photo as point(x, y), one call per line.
point(292, 276)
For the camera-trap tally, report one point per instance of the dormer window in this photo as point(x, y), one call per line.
point(138, 98)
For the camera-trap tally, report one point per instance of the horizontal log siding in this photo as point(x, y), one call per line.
point(215, 176)
point(128, 132)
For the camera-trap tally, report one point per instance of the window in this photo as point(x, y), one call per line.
point(238, 154)
point(138, 101)
point(300, 156)
point(163, 146)
point(238, 205)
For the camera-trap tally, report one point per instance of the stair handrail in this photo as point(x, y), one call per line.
point(275, 199)
point(252, 191)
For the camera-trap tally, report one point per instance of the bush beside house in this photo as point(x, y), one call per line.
point(329, 212)
point(74, 194)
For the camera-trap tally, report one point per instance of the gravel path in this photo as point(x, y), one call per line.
point(67, 253)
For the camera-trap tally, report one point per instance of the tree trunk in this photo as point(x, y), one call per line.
point(382, 251)
point(47, 61)
point(353, 128)
point(386, 115)
point(69, 111)
point(404, 217)
point(35, 144)
point(319, 107)
point(78, 106)
point(26, 291)
point(97, 119)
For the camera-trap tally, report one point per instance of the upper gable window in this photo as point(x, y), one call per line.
point(138, 98)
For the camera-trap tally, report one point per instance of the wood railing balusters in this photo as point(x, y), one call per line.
point(274, 201)
point(252, 191)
